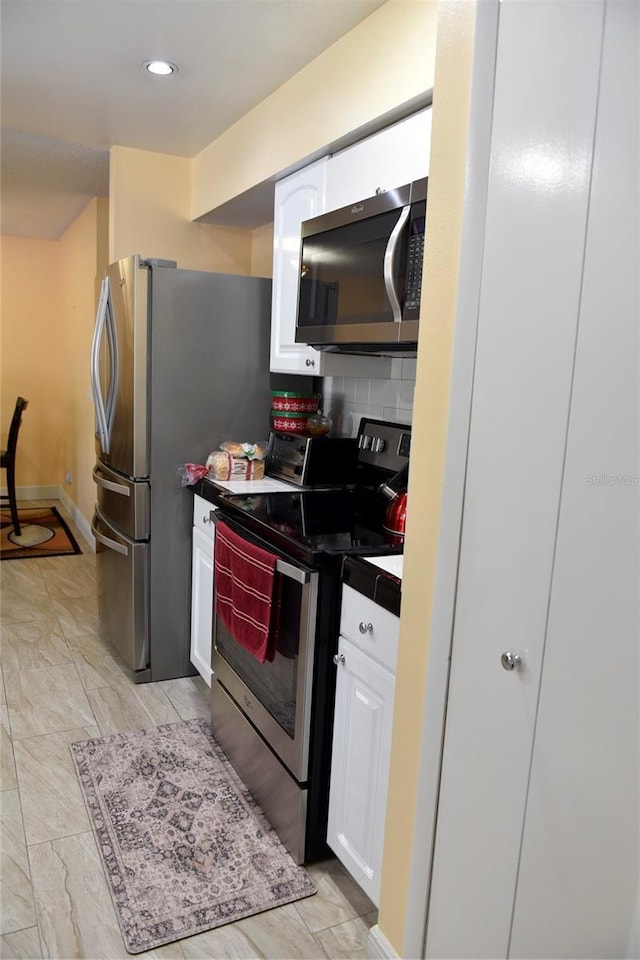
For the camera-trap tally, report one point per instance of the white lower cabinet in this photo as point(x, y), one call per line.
point(362, 740)
point(202, 587)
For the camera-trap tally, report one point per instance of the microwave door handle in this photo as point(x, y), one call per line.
point(389, 261)
point(96, 386)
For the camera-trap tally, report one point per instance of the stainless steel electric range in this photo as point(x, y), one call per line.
point(274, 719)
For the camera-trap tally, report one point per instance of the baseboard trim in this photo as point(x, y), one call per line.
point(378, 947)
point(79, 520)
point(36, 493)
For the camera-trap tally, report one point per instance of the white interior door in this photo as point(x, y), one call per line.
point(537, 205)
point(578, 880)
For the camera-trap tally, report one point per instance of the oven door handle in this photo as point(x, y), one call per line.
point(294, 573)
point(286, 569)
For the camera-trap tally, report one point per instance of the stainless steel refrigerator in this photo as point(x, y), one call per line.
point(179, 363)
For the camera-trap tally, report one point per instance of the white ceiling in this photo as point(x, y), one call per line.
point(72, 85)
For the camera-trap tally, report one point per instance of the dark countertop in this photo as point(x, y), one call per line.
point(205, 489)
point(379, 585)
point(361, 573)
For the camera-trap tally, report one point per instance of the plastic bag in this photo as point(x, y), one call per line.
point(251, 451)
point(191, 473)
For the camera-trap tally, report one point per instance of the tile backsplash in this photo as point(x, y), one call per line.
point(347, 399)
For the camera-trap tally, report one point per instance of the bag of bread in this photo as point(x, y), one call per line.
point(221, 465)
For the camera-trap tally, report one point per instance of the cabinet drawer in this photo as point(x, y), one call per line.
point(370, 627)
point(201, 510)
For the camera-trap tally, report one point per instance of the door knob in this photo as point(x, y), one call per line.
point(338, 658)
point(510, 660)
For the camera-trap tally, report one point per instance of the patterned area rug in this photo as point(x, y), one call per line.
point(184, 845)
point(43, 533)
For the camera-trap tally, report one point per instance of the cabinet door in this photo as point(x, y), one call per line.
point(360, 765)
point(201, 603)
point(297, 198)
point(532, 278)
point(578, 880)
point(397, 155)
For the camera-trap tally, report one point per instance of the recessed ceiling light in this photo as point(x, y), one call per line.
point(162, 68)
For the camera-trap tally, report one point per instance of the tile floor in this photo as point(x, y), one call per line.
point(58, 683)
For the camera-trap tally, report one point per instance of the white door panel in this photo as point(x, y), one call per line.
point(531, 281)
point(388, 159)
point(202, 602)
point(579, 866)
point(360, 765)
point(297, 198)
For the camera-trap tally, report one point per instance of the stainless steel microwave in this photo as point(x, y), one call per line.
point(361, 274)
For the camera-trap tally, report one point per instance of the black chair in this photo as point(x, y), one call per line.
point(8, 462)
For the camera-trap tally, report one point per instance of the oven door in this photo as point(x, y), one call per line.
point(275, 696)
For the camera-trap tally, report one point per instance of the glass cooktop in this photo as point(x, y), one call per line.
point(314, 523)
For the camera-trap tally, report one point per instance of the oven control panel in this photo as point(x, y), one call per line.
point(384, 444)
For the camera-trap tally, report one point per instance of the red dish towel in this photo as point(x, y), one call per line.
point(244, 586)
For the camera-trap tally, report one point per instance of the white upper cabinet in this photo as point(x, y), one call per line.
point(397, 155)
point(297, 198)
point(385, 160)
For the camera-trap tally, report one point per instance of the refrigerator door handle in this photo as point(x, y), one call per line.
point(96, 386)
point(102, 481)
point(112, 337)
point(107, 541)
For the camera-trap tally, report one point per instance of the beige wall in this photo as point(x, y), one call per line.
point(149, 196)
point(33, 357)
point(384, 62)
point(262, 251)
point(149, 214)
point(48, 307)
point(456, 22)
point(223, 249)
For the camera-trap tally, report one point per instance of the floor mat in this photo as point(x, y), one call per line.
point(184, 845)
point(43, 533)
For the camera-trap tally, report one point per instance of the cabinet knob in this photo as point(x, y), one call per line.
point(206, 519)
point(510, 660)
point(310, 363)
point(338, 658)
point(365, 627)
